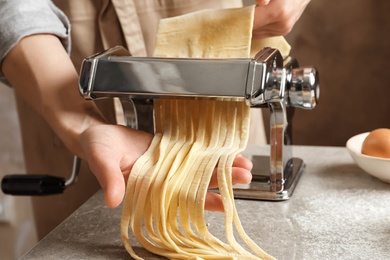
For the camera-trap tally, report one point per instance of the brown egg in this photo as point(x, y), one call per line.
point(377, 143)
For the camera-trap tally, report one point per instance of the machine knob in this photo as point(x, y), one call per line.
point(303, 87)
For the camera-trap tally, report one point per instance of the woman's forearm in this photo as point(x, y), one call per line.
point(40, 70)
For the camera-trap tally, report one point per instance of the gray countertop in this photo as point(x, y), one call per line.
point(336, 212)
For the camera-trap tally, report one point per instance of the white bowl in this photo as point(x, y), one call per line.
point(375, 166)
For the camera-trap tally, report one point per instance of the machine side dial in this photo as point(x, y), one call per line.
point(303, 87)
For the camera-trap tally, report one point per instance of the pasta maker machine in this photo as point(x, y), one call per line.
point(268, 80)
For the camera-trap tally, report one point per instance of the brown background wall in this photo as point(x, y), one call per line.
point(349, 43)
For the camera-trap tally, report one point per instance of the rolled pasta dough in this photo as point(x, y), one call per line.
point(164, 203)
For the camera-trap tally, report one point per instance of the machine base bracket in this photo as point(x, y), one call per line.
point(261, 189)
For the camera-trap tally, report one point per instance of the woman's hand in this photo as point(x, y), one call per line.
point(111, 151)
point(276, 17)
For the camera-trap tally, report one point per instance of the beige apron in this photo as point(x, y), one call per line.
point(96, 25)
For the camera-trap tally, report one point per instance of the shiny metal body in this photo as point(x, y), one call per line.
point(266, 80)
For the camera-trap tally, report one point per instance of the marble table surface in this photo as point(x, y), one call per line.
point(337, 211)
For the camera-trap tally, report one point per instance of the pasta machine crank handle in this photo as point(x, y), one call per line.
point(38, 184)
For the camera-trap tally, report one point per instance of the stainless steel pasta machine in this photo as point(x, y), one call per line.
point(268, 80)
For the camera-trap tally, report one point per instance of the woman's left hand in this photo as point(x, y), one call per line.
point(276, 17)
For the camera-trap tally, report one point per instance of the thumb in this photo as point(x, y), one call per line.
point(112, 182)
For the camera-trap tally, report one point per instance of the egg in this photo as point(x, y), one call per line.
point(377, 143)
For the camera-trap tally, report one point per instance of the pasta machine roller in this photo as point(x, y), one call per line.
point(268, 80)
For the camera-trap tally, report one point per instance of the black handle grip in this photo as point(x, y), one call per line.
point(32, 185)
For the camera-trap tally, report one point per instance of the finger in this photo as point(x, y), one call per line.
point(114, 191)
point(239, 175)
point(112, 182)
point(213, 202)
point(243, 162)
point(271, 21)
point(262, 17)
